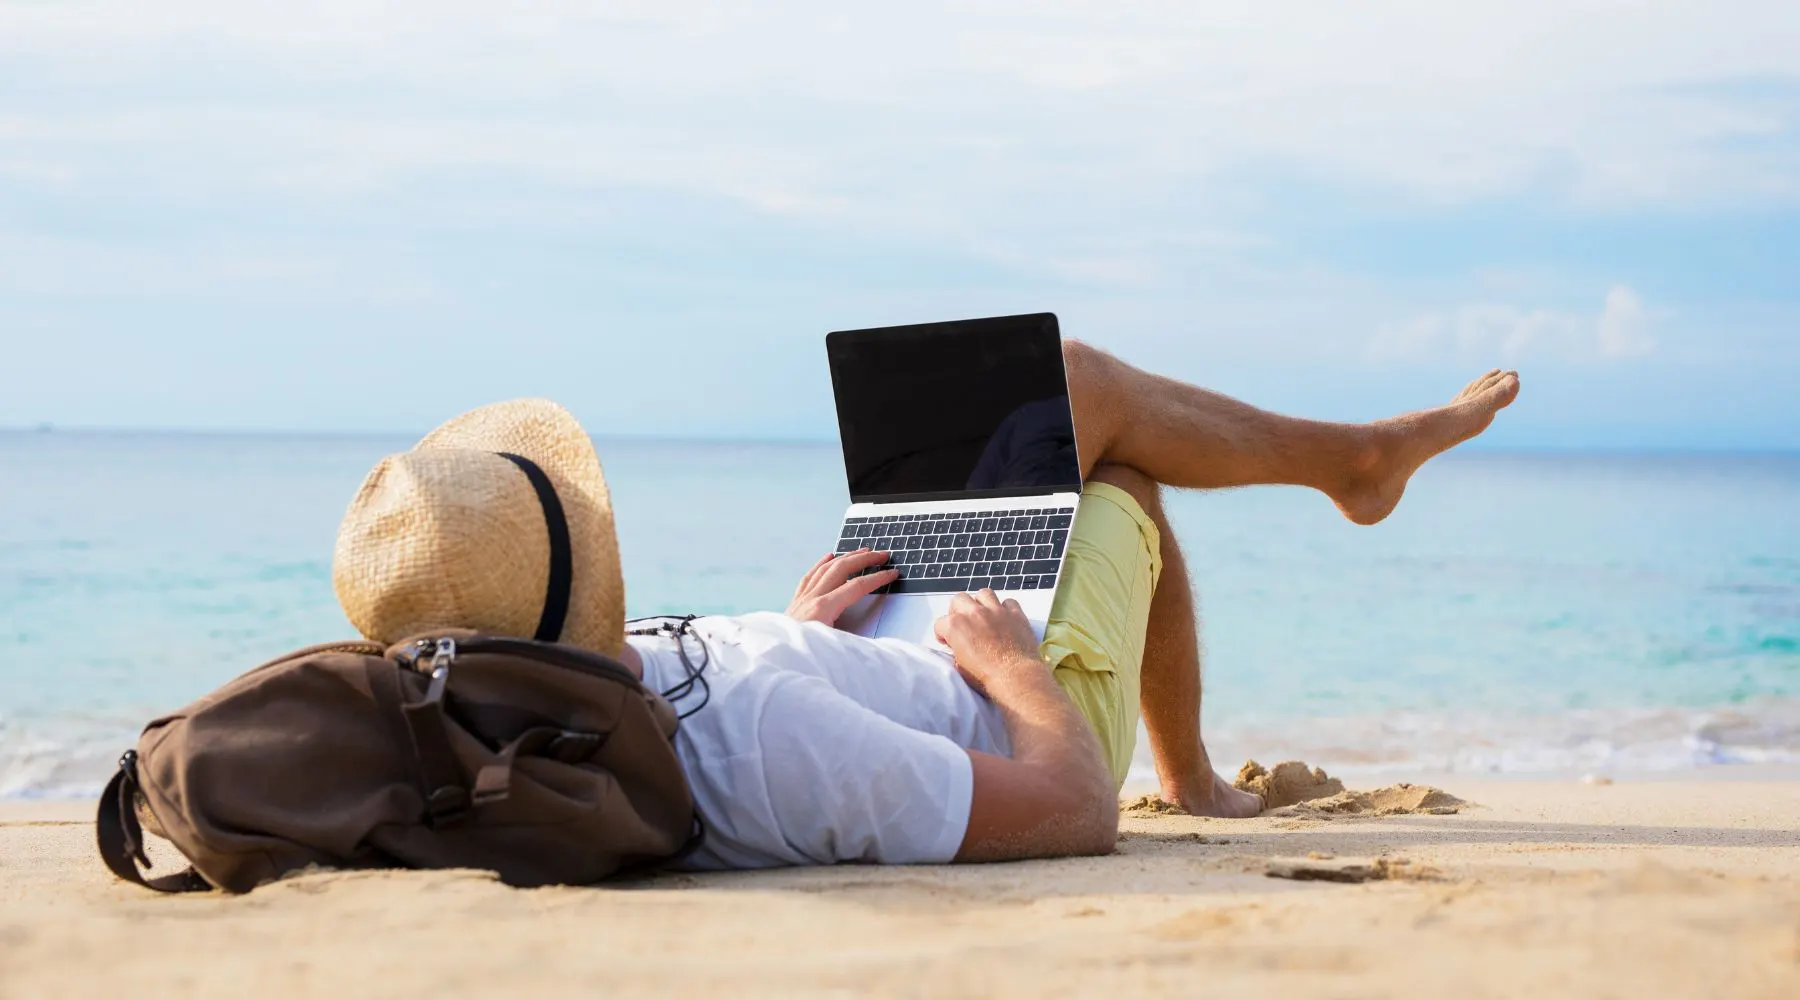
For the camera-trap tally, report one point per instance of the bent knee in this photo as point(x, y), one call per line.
point(1078, 354)
point(1087, 368)
point(1146, 491)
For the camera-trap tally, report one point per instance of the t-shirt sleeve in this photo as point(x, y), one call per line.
point(848, 784)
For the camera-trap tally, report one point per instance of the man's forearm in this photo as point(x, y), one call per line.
point(1051, 737)
point(1045, 726)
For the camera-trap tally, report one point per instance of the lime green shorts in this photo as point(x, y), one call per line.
point(1094, 641)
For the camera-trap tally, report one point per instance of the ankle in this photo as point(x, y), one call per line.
point(1191, 792)
point(1358, 462)
point(1370, 445)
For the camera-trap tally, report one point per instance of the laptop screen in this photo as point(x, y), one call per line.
point(942, 411)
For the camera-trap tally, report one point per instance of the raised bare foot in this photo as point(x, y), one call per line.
point(1398, 446)
point(1220, 800)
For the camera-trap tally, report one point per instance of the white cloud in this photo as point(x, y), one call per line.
point(1620, 333)
point(593, 174)
point(934, 116)
point(1509, 334)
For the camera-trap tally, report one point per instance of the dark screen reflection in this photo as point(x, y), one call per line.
point(964, 408)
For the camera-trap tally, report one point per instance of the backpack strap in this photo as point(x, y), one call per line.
point(447, 801)
point(121, 839)
point(494, 781)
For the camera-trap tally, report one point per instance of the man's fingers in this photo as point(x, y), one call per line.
point(842, 568)
point(976, 601)
point(938, 629)
point(851, 591)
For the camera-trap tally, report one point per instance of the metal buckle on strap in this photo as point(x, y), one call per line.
point(128, 793)
point(447, 806)
point(572, 747)
point(443, 654)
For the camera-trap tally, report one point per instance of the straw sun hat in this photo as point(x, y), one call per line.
point(497, 521)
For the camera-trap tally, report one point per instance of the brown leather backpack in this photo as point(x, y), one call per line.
point(546, 764)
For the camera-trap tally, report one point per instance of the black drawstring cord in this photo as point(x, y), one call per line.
point(696, 675)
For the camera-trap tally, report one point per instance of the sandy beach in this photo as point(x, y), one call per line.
point(1677, 887)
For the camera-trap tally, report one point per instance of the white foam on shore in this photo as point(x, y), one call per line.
point(1593, 741)
point(64, 757)
point(74, 756)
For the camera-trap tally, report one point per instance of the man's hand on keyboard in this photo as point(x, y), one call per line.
point(991, 640)
point(832, 585)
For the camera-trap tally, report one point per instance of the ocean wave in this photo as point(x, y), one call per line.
point(64, 757)
point(74, 756)
point(1597, 741)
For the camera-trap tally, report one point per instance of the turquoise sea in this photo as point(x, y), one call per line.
point(1521, 612)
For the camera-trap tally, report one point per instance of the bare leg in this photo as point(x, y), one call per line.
point(1183, 435)
point(1136, 430)
point(1169, 695)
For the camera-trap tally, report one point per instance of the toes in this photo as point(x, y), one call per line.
point(1489, 383)
point(1508, 385)
point(1498, 391)
point(1476, 387)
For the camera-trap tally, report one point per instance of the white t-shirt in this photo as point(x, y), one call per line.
point(818, 746)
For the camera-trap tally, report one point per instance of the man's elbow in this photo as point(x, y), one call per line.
point(1102, 836)
point(1025, 811)
point(1093, 805)
point(1096, 812)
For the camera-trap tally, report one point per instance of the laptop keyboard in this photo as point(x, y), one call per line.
point(955, 553)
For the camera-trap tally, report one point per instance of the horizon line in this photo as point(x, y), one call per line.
point(48, 429)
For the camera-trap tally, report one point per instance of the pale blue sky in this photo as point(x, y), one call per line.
point(359, 216)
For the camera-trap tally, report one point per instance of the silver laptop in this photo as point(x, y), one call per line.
point(959, 448)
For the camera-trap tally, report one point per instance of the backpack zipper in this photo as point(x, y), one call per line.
point(441, 652)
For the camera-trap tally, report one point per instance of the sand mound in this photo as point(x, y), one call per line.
point(1394, 800)
point(1294, 789)
point(1150, 805)
point(1290, 782)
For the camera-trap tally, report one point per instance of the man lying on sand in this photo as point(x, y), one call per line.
point(809, 745)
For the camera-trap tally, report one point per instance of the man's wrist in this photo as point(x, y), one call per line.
point(1020, 671)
